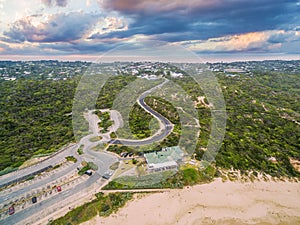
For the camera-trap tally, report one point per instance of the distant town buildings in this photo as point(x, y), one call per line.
point(58, 70)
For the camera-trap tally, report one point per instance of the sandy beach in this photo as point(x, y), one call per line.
point(214, 203)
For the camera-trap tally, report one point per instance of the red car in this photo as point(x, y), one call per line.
point(58, 188)
point(11, 210)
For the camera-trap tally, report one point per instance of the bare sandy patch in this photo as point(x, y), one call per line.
point(215, 203)
point(295, 163)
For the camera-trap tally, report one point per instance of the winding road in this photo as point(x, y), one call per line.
point(94, 183)
point(167, 125)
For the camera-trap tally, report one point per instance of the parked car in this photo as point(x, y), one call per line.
point(58, 188)
point(124, 154)
point(89, 172)
point(11, 210)
point(108, 174)
point(34, 199)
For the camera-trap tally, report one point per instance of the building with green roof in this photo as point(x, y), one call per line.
point(167, 158)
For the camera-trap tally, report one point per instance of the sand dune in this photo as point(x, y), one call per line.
point(214, 203)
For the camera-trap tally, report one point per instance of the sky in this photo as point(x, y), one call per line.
point(82, 29)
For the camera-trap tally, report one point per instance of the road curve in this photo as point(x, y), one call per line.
point(168, 126)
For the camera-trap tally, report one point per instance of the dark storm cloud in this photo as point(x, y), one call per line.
point(201, 19)
point(59, 28)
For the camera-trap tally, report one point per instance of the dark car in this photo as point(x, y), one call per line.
point(89, 172)
point(34, 199)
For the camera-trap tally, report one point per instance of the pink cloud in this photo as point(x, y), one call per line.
point(241, 42)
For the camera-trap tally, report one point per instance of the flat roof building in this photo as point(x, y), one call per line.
point(167, 158)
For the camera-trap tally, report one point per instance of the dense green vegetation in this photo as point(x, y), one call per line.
point(167, 179)
point(256, 129)
point(139, 122)
point(35, 118)
point(105, 121)
point(103, 205)
point(110, 90)
point(261, 109)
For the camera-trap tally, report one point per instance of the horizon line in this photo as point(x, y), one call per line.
point(202, 58)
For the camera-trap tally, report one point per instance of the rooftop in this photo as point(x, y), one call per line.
point(168, 154)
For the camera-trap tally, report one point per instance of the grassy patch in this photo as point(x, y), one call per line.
point(56, 166)
point(139, 122)
point(80, 150)
point(167, 179)
point(113, 135)
point(102, 205)
point(105, 121)
point(119, 149)
point(95, 139)
point(114, 166)
point(86, 167)
point(71, 158)
point(7, 170)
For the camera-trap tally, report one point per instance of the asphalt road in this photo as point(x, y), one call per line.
point(168, 126)
point(52, 160)
point(43, 205)
point(40, 183)
point(102, 159)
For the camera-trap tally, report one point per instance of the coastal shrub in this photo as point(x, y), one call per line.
point(103, 205)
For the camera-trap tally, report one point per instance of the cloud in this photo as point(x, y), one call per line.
point(284, 36)
point(200, 25)
point(62, 27)
point(81, 47)
point(3, 47)
point(152, 7)
point(60, 48)
point(250, 42)
point(61, 3)
point(199, 19)
point(49, 3)
point(108, 25)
